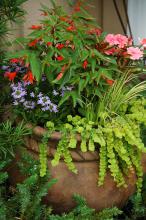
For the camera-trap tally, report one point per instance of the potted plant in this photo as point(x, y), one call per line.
point(80, 86)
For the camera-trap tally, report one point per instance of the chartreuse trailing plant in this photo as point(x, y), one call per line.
point(43, 149)
point(116, 133)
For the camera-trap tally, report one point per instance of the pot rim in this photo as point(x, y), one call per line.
point(40, 131)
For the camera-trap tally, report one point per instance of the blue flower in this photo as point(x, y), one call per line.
point(32, 94)
point(55, 93)
point(29, 104)
point(44, 100)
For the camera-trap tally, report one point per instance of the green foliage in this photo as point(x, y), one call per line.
point(118, 139)
point(83, 212)
point(25, 201)
point(43, 149)
point(3, 179)
point(10, 10)
point(122, 91)
point(11, 138)
point(30, 193)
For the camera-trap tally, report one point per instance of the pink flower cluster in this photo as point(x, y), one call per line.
point(124, 44)
point(117, 39)
point(135, 53)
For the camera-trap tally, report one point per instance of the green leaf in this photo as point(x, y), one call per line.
point(18, 54)
point(85, 54)
point(103, 57)
point(98, 93)
point(93, 65)
point(35, 65)
point(75, 98)
point(82, 84)
point(64, 98)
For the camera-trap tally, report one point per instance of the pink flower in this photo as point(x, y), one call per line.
point(110, 38)
point(110, 51)
point(135, 53)
point(121, 40)
point(117, 39)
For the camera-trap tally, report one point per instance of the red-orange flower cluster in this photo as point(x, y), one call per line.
point(60, 46)
point(49, 44)
point(36, 27)
point(85, 64)
point(11, 75)
point(59, 58)
point(33, 43)
point(28, 77)
point(109, 82)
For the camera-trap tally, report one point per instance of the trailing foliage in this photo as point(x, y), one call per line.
point(118, 140)
point(43, 149)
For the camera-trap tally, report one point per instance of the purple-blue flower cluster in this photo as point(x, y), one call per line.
point(46, 104)
point(30, 100)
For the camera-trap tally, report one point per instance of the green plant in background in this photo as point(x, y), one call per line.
point(10, 11)
point(83, 212)
point(3, 190)
point(30, 193)
point(11, 138)
point(25, 201)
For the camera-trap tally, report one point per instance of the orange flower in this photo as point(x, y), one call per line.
point(70, 28)
point(59, 46)
point(49, 44)
point(15, 60)
point(85, 64)
point(28, 77)
point(65, 18)
point(36, 27)
point(96, 31)
point(60, 75)
point(59, 58)
point(11, 75)
point(77, 8)
point(33, 43)
point(109, 82)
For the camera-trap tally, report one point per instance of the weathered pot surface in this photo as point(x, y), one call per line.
point(84, 183)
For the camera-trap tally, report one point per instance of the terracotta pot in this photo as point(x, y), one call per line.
point(84, 183)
